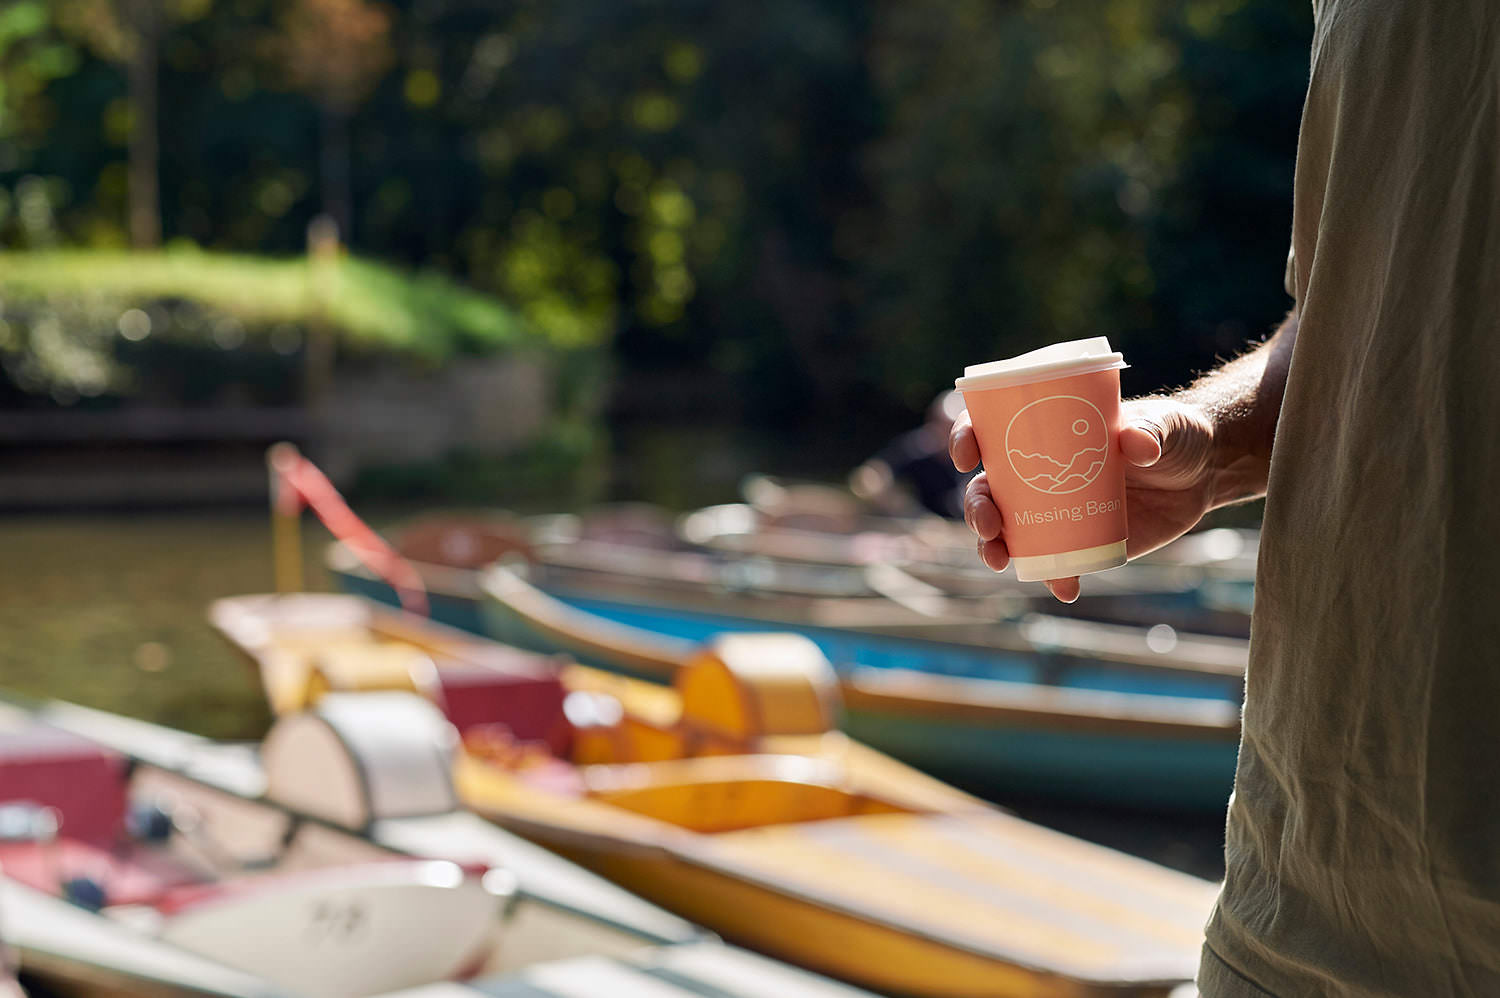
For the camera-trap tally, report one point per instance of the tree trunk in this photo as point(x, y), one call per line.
point(319, 352)
point(145, 207)
point(335, 170)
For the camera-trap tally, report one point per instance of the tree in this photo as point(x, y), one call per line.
point(336, 51)
point(1050, 170)
point(127, 32)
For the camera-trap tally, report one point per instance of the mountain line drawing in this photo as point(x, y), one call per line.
point(1048, 474)
point(1038, 436)
point(1049, 483)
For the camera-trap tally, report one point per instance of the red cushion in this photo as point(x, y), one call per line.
point(529, 703)
point(84, 782)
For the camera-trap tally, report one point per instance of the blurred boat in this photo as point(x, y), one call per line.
point(1048, 706)
point(1175, 588)
point(115, 882)
point(729, 799)
point(450, 550)
point(1203, 582)
point(797, 511)
point(567, 931)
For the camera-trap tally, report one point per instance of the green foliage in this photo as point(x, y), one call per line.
point(770, 212)
point(30, 58)
point(186, 326)
point(1040, 177)
point(370, 304)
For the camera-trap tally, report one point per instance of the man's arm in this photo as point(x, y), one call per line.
point(1242, 401)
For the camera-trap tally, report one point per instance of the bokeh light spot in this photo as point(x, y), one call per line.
point(134, 325)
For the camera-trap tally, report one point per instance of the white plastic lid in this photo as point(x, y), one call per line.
point(1060, 360)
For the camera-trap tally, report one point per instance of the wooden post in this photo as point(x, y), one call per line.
point(323, 254)
point(286, 519)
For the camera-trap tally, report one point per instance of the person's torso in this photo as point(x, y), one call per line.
point(1364, 836)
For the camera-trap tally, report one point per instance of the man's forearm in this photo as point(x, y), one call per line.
point(1243, 401)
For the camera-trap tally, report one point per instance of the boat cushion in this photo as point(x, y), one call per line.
point(84, 782)
point(529, 704)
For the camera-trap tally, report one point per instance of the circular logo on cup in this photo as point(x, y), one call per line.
point(1057, 444)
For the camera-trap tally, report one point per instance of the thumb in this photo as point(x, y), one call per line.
point(1142, 443)
point(1165, 435)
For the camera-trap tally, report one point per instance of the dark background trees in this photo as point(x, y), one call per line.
point(775, 215)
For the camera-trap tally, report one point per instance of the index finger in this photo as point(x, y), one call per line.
point(963, 448)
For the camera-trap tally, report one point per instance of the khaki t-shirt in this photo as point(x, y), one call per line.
point(1363, 844)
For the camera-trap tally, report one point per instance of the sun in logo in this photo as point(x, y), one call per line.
point(1057, 444)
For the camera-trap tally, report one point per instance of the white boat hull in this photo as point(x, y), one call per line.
point(349, 933)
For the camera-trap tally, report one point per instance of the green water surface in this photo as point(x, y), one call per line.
point(108, 611)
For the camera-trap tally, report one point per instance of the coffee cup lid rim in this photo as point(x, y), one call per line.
point(1055, 361)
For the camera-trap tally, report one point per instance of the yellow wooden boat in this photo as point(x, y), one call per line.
point(732, 799)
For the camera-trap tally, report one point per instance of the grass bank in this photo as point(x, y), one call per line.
point(370, 304)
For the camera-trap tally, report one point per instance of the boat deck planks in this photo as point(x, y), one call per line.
point(1023, 907)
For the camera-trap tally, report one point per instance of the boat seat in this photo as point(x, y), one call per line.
point(740, 687)
point(370, 665)
point(86, 784)
point(528, 703)
point(83, 782)
point(356, 758)
point(734, 691)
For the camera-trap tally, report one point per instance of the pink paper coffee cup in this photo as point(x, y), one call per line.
point(1047, 425)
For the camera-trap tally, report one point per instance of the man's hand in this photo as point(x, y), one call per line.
point(1206, 447)
point(1168, 448)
